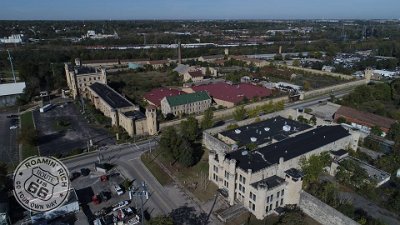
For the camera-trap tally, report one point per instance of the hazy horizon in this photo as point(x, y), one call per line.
point(199, 10)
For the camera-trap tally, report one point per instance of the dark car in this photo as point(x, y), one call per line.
point(105, 195)
point(85, 172)
point(12, 116)
point(74, 175)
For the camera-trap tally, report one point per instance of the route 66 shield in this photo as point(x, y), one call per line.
point(41, 184)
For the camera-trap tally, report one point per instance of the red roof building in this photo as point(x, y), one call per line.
point(364, 118)
point(155, 96)
point(229, 95)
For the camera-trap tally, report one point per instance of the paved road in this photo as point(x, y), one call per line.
point(127, 158)
point(8, 139)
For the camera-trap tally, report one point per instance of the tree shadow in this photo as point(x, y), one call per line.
point(188, 215)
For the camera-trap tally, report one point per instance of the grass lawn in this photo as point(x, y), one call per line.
point(27, 124)
point(194, 178)
point(158, 173)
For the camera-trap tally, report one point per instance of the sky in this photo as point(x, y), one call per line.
point(197, 9)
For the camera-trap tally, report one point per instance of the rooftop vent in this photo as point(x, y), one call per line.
point(253, 139)
point(286, 128)
point(266, 128)
point(237, 131)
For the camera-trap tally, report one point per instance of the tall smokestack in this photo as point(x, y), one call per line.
point(280, 49)
point(179, 53)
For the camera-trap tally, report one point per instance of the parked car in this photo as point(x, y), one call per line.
point(128, 210)
point(13, 127)
point(85, 171)
point(120, 205)
point(74, 175)
point(118, 189)
point(105, 195)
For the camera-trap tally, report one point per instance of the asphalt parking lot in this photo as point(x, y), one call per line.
point(63, 129)
point(88, 186)
point(8, 138)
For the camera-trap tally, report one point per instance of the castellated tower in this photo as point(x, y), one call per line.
point(151, 120)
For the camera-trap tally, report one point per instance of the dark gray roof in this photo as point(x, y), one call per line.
point(288, 148)
point(294, 173)
point(112, 98)
point(137, 115)
point(258, 130)
point(270, 182)
point(340, 152)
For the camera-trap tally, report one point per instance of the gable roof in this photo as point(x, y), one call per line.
point(156, 95)
point(182, 68)
point(12, 88)
point(187, 98)
point(365, 117)
point(196, 73)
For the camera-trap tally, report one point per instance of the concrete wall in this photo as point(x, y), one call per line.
point(8, 100)
point(319, 72)
point(322, 212)
point(330, 89)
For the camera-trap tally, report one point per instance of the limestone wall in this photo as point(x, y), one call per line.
point(321, 212)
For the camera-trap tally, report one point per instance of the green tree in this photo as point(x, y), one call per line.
point(341, 120)
point(313, 120)
point(306, 85)
point(292, 217)
point(170, 142)
point(207, 121)
point(190, 128)
point(394, 131)
point(296, 63)
point(186, 153)
point(3, 175)
point(376, 130)
point(313, 166)
point(239, 113)
point(161, 220)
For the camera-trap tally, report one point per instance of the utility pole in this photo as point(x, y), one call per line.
point(12, 66)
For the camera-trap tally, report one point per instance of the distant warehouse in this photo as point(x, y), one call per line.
point(10, 92)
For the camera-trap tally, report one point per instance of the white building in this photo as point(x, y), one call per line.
point(13, 39)
point(268, 177)
point(10, 92)
point(384, 73)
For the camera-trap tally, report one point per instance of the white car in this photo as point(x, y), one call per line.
point(120, 205)
point(118, 189)
point(135, 220)
point(13, 127)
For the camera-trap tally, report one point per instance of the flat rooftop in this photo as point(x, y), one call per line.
point(373, 172)
point(289, 148)
point(270, 182)
point(137, 115)
point(113, 98)
point(265, 131)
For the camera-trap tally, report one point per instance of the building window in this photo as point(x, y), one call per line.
point(244, 180)
point(282, 192)
point(226, 175)
point(276, 204)
point(270, 207)
point(254, 207)
point(282, 201)
point(268, 199)
point(216, 169)
point(267, 209)
point(277, 194)
point(272, 198)
point(240, 178)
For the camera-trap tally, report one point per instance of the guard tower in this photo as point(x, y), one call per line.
point(151, 120)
